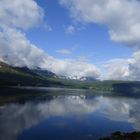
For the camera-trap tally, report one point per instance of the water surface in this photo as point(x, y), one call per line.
point(66, 115)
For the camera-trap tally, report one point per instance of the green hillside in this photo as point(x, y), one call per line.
point(23, 76)
point(13, 76)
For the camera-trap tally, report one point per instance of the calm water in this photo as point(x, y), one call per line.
point(54, 115)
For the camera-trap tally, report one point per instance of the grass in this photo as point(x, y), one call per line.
point(10, 76)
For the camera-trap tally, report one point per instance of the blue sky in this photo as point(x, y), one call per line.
point(91, 41)
point(73, 38)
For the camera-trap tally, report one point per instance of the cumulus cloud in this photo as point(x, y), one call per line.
point(123, 69)
point(17, 50)
point(134, 66)
point(71, 68)
point(116, 69)
point(70, 29)
point(19, 13)
point(121, 17)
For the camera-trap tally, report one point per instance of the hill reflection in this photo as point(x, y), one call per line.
point(17, 117)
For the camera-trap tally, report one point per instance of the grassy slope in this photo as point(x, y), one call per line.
point(116, 86)
point(12, 76)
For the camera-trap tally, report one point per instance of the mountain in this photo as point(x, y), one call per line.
point(23, 76)
point(44, 73)
point(25, 70)
point(83, 78)
point(10, 75)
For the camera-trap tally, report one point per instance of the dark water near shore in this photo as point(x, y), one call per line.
point(56, 114)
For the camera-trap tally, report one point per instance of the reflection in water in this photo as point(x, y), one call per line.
point(15, 118)
point(123, 109)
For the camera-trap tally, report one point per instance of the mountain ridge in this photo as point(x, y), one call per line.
point(13, 76)
point(10, 75)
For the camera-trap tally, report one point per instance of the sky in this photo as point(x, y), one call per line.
point(73, 38)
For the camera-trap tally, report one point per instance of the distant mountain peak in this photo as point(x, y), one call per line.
point(44, 73)
point(83, 78)
point(36, 71)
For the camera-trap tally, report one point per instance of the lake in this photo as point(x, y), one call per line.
point(61, 114)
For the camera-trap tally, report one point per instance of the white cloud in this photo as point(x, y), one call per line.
point(122, 19)
point(70, 29)
point(31, 114)
point(128, 109)
point(123, 69)
point(20, 13)
point(72, 68)
point(64, 51)
point(134, 66)
point(116, 69)
point(120, 16)
point(17, 50)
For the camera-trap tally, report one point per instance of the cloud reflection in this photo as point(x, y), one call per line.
point(123, 109)
point(15, 118)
